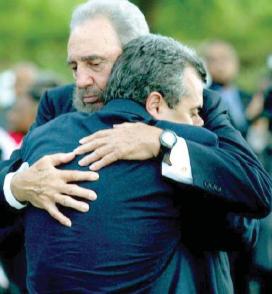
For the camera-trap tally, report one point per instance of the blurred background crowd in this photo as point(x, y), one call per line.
point(231, 36)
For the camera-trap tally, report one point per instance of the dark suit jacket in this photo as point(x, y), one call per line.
point(248, 190)
point(233, 161)
point(131, 239)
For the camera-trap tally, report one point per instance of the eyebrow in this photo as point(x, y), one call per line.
point(88, 58)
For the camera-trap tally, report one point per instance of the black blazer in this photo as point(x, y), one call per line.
point(229, 173)
point(132, 238)
point(248, 190)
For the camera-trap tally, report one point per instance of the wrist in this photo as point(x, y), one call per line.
point(10, 198)
point(16, 188)
point(157, 145)
point(168, 140)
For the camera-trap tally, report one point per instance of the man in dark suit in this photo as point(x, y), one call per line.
point(91, 57)
point(223, 65)
point(132, 241)
point(52, 185)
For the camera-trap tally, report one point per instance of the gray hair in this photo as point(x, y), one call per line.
point(152, 63)
point(126, 18)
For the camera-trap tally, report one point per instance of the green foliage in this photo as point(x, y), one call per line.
point(37, 30)
point(247, 24)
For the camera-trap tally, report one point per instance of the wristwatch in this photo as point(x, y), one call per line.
point(168, 139)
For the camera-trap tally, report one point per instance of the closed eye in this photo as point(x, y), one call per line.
point(195, 111)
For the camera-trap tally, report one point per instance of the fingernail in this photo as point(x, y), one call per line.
point(95, 176)
point(82, 141)
point(68, 223)
point(85, 207)
point(92, 196)
point(92, 166)
point(81, 162)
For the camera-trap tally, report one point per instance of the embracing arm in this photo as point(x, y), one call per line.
point(51, 105)
point(43, 185)
point(228, 172)
point(231, 172)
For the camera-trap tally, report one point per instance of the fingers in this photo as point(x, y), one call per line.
point(88, 159)
point(123, 125)
point(96, 155)
point(57, 159)
point(78, 176)
point(77, 191)
point(106, 160)
point(72, 203)
point(57, 215)
point(96, 135)
point(128, 125)
point(90, 146)
point(65, 201)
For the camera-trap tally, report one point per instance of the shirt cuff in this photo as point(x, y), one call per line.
point(7, 191)
point(180, 170)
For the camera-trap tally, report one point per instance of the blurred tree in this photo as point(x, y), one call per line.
point(148, 8)
point(37, 30)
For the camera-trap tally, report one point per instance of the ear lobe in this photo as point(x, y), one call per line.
point(154, 103)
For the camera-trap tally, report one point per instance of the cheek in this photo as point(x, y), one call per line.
point(102, 77)
point(198, 122)
point(181, 117)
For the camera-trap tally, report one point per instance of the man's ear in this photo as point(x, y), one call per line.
point(155, 105)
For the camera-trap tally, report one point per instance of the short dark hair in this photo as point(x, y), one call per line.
point(152, 63)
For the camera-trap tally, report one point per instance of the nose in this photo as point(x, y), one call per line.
point(84, 77)
point(199, 122)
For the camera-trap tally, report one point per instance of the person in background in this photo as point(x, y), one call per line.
point(26, 74)
point(7, 144)
point(261, 273)
point(223, 66)
point(23, 113)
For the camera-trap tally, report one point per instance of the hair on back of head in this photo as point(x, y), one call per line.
point(152, 63)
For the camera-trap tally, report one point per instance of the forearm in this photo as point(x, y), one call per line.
point(231, 172)
point(192, 133)
point(236, 181)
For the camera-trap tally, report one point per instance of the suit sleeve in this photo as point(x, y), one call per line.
point(229, 173)
point(191, 133)
point(45, 113)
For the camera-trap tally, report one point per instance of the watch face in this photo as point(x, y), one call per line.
point(169, 139)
